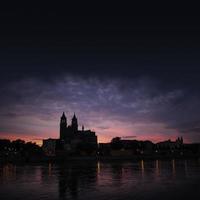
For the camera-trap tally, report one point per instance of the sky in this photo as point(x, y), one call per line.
point(127, 76)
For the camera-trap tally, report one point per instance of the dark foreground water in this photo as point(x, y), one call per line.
point(173, 179)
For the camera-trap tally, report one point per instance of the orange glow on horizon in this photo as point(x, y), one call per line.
point(103, 138)
point(13, 137)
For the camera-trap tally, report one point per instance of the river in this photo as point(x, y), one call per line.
point(167, 179)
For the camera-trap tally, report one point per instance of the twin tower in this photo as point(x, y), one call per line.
point(65, 130)
point(71, 136)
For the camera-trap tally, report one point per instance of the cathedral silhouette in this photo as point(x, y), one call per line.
point(72, 138)
point(72, 141)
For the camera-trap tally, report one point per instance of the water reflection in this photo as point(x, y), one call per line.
point(142, 168)
point(186, 168)
point(101, 180)
point(157, 169)
point(8, 172)
point(73, 177)
point(173, 168)
point(50, 169)
point(98, 167)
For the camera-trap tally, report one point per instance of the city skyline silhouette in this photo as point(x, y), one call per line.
point(98, 106)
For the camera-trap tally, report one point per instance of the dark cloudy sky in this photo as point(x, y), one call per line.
point(122, 76)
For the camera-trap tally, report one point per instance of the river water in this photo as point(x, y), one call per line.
point(172, 179)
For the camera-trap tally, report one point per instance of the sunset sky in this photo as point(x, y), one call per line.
point(127, 76)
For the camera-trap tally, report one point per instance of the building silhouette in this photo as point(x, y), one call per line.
point(71, 140)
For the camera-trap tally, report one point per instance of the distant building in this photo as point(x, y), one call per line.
point(120, 147)
point(72, 140)
point(168, 144)
point(49, 146)
point(104, 149)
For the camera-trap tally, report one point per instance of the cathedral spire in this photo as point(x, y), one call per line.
point(63, 115)
point(63, 125)
point(74, 123)
point(74, 117)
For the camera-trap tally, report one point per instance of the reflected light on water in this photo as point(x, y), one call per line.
point(98, 167)
point(157, 168)
point(142, 167)
point(173, 167)
point(9, 171)
point(101, 180)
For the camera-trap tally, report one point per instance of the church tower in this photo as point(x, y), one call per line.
point(63, 126)
point(74, 123)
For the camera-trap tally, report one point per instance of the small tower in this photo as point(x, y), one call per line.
point(74, 123)
point(82, 128)
point(181, 140)
point(63, 126)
